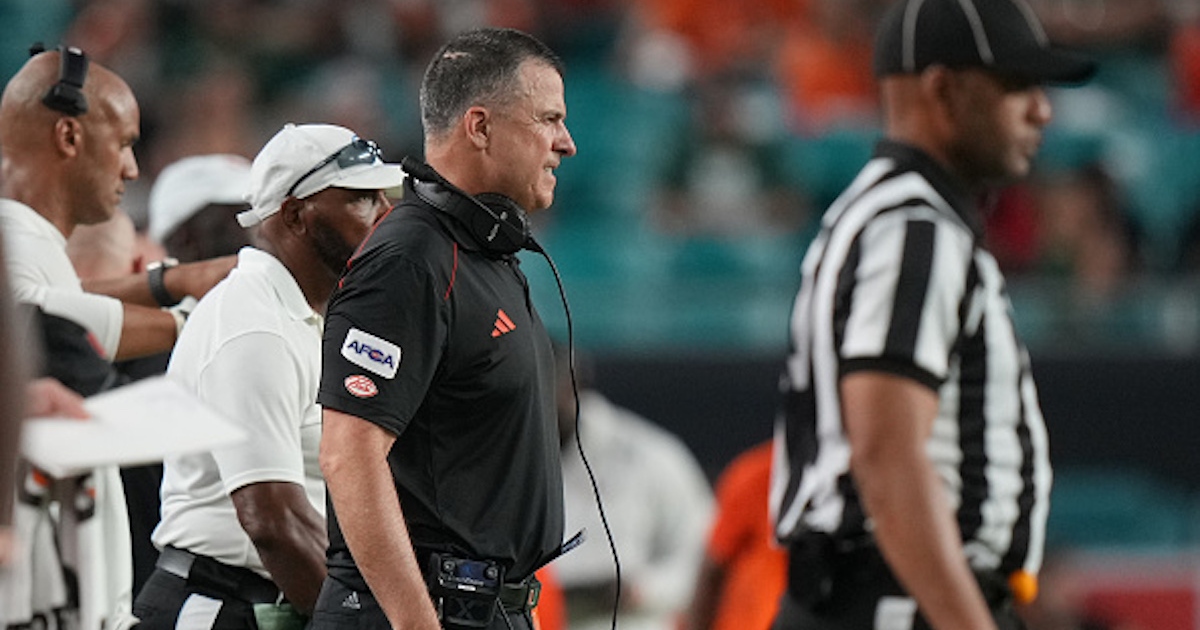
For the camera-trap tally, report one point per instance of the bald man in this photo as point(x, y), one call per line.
point(62, 166)
point(59, 171)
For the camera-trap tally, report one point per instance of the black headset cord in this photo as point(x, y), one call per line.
point(534, 246)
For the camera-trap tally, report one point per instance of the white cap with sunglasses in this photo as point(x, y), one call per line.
point(303, 160)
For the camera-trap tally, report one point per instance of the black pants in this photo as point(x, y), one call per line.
point(853, 589)
point(141, 484)
point(202, 594)
point(167, 602)
point(340, 607)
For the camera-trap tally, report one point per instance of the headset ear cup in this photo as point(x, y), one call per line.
point(507, 223)
point(496, 222)
point(66, 95)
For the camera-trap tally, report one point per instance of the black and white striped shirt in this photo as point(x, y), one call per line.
point(898, 281)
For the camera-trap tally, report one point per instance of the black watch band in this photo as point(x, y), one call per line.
point(158, 288)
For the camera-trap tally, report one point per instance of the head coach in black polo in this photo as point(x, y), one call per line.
point(916, 477)
point(440, 448)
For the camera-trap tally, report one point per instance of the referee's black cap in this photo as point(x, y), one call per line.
point(1000, 35)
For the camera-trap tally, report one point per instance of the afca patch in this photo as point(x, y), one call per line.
point(372, 353)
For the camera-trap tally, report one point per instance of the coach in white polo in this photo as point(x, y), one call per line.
point(243, 528)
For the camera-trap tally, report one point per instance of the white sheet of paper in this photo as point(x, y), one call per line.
point(140, 423)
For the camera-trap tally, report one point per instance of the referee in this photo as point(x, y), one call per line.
point(913, 480)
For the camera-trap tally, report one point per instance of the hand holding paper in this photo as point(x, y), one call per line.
point(48, 397)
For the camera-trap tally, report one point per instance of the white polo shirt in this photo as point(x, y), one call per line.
point(252, 351)
point(41, 274)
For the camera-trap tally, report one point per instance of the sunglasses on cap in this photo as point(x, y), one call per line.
point(359, 151)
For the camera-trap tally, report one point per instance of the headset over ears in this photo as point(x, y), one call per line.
point(66, 95)
point(496, 222)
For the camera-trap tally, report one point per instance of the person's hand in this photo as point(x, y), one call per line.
point(48, 397)
point(196, 278)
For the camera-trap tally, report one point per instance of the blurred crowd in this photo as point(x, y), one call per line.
point(759, 92)
point(711, 134)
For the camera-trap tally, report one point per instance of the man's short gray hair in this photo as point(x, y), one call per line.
point(478, 67)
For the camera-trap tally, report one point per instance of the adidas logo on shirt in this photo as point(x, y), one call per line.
point(503, 324)
point(351, 601)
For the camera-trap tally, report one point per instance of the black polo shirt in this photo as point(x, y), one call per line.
point(439, 344)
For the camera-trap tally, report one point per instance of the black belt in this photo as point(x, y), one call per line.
point(222, 579)
point(820, 567)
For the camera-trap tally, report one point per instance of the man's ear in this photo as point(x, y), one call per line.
point(936, 84)
point(477, 122)
point(68, 133)
point(385, 205)
point(939, 88)
point(290, 213)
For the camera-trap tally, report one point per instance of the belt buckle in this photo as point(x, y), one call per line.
point(175, 561)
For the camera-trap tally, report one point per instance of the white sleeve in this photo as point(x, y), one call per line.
point(35, 284)
point(908, 284)
point(102, 315)
point(254, 381)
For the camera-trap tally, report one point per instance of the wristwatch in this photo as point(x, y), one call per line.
point(158, 288)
